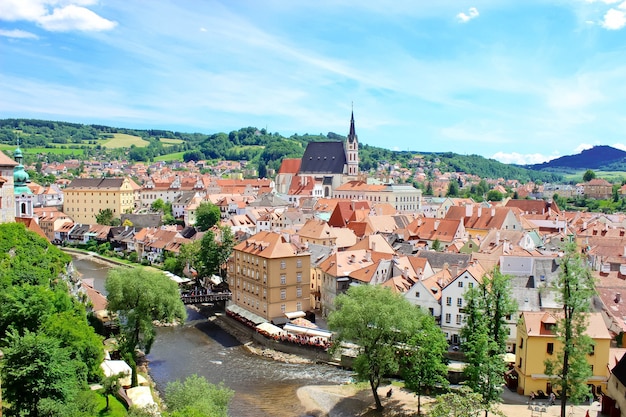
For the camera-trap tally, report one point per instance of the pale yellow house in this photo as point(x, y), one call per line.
point(269, 276)
point(536, 342)
point(84, 198)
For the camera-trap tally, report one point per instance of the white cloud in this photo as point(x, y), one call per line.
point(16, 33)
point(582, 147)
point(55, 15)
point(472, 13)
point(74, 18)
point(614, 19)
point(521, 159)
point(619, 146)
point(604, 1)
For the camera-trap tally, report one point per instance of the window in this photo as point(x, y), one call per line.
point(298, 306)
point(521, 343)
point(299, 277)
point(593, 350)
point(283, 279)
point(459, 302)
point(283, 265)
point(431, 311)
point(417, 294)
point(460, 284)
point(448, 317)
point(283, 308)
point(299, 263)
point(550, 348)
point(299, 292)
point(520, 362)
point(448, 301)
point(471, 285)
point(283, 294)
point(459, 319)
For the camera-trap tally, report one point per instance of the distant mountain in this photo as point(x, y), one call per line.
point(598, 157)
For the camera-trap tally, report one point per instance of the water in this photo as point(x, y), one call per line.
point(263, 387)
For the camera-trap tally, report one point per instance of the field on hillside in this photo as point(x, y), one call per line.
point(41, 150)
point(122, 140)
point(610, 176)
point(177, 156)
point(168, 141)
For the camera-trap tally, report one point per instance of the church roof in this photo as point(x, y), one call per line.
point(323, 158)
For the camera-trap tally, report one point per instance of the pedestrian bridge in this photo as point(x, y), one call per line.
point(206, 297)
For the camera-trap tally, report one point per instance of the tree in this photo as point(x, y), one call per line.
point(207, 216)
point(453, 189)
point(589, 175)
point(262, 169)
point(436, 245)
point(36, 372)
point(429, 189)
point(494, 195)
point(575, 289)
point(463, 403)
point(484, 335)
point(196, 396)
point(110, 386)
point(141, 296)
point(215, 251)
point(423, 366)
point(105, 217)
point(377, 320)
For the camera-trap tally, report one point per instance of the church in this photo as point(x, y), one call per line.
point(323, 167)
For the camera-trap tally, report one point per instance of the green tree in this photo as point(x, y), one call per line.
point(36, 372)
point(453, 189)
point(196, 396)
point(575, 289)
point(423, 366)
point(589, 175)
point(377, 320)
point(262, 169)
point(429, 189)
point(158, 205)
point(463, 403)
point(141, 296)
point(214, 251)
point(484, 334)
point(207, 216)
point(494, 195)
point(110, 386)
point(106, 217)
point(436, 245)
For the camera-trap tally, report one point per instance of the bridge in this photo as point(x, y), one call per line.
point(209, 297)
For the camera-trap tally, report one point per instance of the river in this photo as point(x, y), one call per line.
point(263, 387)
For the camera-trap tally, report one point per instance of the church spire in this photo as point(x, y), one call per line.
point(352, 149)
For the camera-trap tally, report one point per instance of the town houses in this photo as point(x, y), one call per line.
point(321, 226)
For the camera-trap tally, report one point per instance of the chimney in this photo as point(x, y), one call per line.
point(436, 224)
point(618, 297)
point(480, 211)
point(373, 245)
point(493, 211)
point(454, 271)
point(406, 272)
point(497, 238)
point(368, 256)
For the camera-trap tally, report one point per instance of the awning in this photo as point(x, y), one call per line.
point(270, 329)
point(295, 314)
point(246, 314)
point(306, 331)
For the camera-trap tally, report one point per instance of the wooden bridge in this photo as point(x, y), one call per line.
point(205, 298)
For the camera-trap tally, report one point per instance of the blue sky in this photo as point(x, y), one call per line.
point(519, 81)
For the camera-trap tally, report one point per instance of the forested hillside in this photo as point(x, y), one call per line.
point(62, 140)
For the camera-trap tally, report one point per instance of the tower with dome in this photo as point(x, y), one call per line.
point(23, 195)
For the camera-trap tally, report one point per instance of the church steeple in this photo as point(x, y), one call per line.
point(352, 149)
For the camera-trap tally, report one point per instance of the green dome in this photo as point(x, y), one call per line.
point(17, 153)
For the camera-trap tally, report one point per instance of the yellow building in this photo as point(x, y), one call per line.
point(536, 342)
point(84, 198)
point(270, 277)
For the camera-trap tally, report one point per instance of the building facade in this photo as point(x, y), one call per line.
point(269, 276)
point(86, 197)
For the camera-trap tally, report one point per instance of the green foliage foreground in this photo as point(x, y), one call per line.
point(383, 325)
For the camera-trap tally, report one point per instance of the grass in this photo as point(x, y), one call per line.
point(116, 408)
point(610, 176)
point(122, 140)
point(34, 151)
point(177, 156)
point(171, 141)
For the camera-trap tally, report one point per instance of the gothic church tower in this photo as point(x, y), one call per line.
point(352, 150)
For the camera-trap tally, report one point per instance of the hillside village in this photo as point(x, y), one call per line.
point(319, 225)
